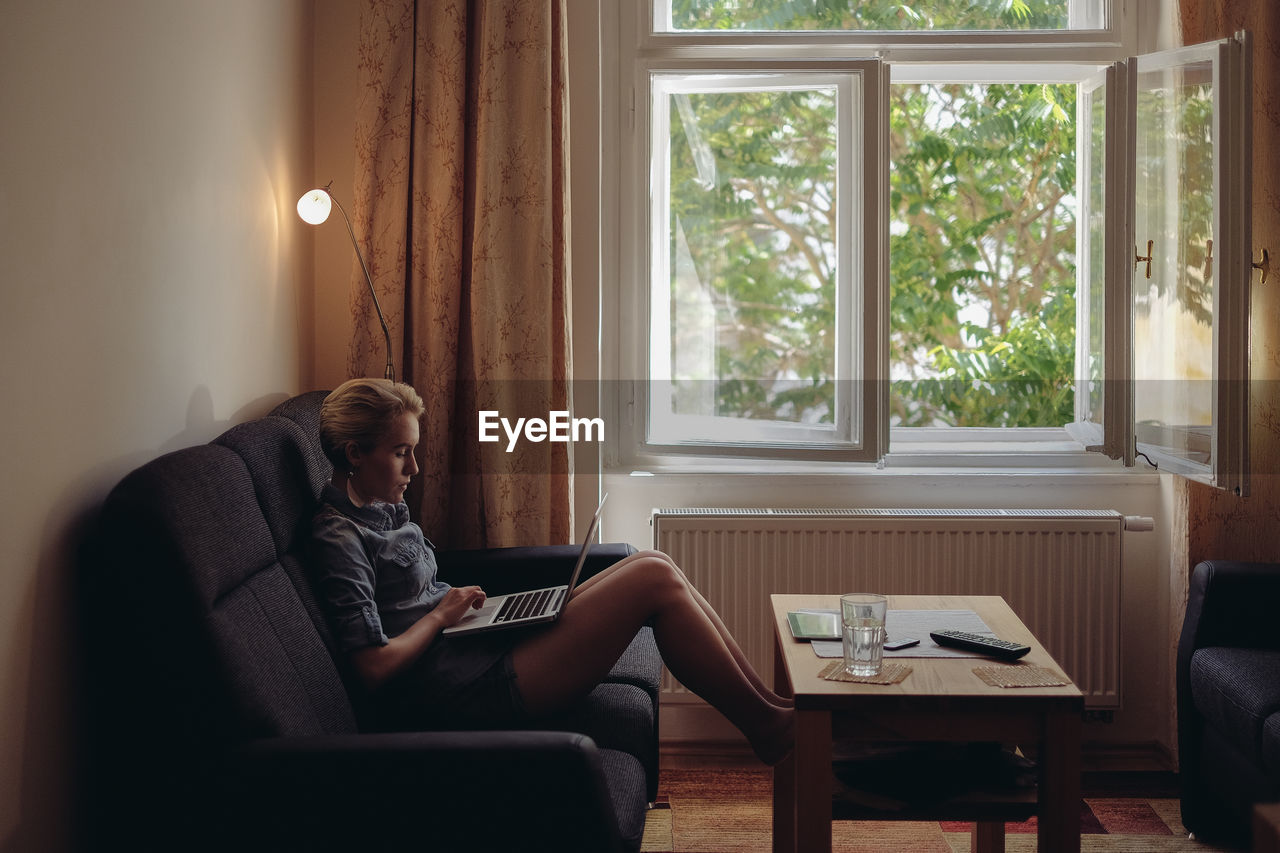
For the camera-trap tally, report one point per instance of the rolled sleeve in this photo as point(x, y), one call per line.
point(346, 581)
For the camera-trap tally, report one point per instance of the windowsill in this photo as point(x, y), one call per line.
point(1033, 460)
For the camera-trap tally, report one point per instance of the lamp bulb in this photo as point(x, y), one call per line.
point(314, 206)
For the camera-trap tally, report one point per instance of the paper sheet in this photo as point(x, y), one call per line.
point(918, 624)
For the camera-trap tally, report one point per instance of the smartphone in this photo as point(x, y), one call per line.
point(815, 624)
point(905, 642)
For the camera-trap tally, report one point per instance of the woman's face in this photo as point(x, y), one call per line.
point(383, 474)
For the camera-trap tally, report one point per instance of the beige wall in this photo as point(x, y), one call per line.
point(153, 290)
point(337, 24)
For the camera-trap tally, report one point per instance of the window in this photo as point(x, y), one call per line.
point(824, 252)
point(982, 258)
point(763, 256)
point(1164, 329)
point(946, 16)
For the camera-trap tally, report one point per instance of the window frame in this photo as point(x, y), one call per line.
point(1117, 30)
point(1228, 468)
point(1112, 435)
point(641, 47)
point(866, 247)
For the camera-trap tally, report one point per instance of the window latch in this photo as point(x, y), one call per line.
point(1137, 259)
point(1264, 265)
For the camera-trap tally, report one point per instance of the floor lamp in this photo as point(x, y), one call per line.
point(314, 208)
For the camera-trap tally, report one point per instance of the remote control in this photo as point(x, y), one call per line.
point(990, 646)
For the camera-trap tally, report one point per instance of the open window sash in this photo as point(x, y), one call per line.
point(1177, 391)
point(1104, 352)
point(702, 353)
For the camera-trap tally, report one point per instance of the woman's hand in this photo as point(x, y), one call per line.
point(457, 602)
point(376, 664)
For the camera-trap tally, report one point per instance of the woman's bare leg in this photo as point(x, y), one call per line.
point(748, 671)
point(561, 665)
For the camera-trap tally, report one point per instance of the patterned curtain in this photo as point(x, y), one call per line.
point(462, 190)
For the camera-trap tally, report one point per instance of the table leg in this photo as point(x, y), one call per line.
point(813, 781)
point(784, 774)
point(784, 806)
point(1059, 807)
point(987, 837)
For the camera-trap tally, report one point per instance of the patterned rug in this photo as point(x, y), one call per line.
point(727, 811)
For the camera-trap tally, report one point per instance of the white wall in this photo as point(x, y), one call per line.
point(153, 275)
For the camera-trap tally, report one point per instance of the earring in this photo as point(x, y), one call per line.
point(351, 473)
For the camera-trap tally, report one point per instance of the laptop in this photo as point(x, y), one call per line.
point(518, 609)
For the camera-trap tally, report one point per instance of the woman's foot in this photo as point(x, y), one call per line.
point(775, 744)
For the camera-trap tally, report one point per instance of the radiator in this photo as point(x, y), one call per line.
point(1059, 570)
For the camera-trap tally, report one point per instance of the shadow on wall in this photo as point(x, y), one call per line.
point(50, 797)
point(203, 427)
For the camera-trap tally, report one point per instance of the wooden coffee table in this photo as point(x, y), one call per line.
point(941, 700)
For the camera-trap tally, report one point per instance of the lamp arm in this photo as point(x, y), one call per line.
point(390, 372)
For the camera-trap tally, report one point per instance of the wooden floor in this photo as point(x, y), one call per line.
point(715, 797)
point(1098, 781)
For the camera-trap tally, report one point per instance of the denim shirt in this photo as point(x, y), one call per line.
point(374, 571)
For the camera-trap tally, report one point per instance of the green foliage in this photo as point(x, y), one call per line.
point(982, 245)
point(862, 15)
point(981, 180)
point(1012, 378)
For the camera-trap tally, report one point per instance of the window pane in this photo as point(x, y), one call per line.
point(1174, 296)
point(982, 255)
point(1093, 259)
point(744, 306)
point(883, 15)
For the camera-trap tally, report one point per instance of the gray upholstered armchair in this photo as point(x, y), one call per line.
point(218, 718)
point(1228, 678)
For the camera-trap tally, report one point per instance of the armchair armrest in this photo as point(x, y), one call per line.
point(1232, 603)
point(486, 790)
point(501, 570)
point(1229, 603)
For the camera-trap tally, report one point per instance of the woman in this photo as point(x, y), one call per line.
point(378, 579)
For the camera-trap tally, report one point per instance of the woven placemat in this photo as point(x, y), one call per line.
point(1020, 675)
point(890, 673)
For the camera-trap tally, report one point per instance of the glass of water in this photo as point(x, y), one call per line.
point(862, 615)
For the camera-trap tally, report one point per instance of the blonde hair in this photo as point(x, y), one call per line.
point(362, 411)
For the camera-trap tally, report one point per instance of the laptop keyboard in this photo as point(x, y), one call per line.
point(525, 604)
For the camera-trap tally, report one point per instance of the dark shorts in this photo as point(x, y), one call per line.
point(491, 700)
point(461, 682)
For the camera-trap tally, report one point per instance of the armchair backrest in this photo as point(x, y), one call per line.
point(208, 543)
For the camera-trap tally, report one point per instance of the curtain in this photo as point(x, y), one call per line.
point(462, 190)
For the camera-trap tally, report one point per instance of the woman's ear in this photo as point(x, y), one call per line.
point(353, 454)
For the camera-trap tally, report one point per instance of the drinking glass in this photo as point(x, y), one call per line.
point(862, 615)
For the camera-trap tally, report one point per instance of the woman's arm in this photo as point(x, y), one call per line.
point(376, 664)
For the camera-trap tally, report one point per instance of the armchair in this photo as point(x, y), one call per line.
point(218, 716)
point(1228, 689)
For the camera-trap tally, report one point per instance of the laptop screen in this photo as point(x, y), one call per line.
point(586, 544)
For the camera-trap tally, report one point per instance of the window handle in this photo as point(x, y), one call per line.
point(1264, 265)
point(1137, 259)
